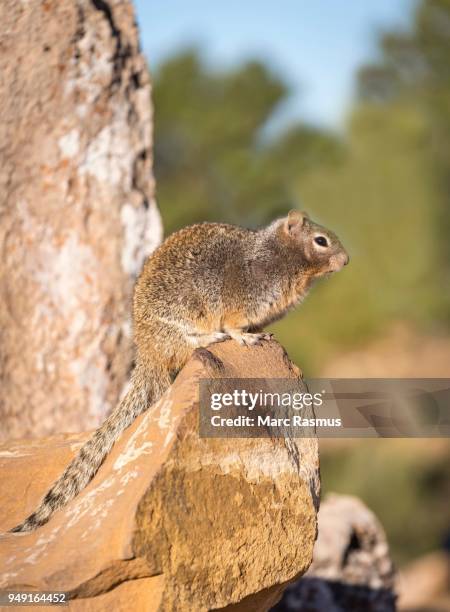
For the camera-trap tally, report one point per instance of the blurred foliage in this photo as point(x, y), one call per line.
point(414, 74)
point(382, 186)
point(210, 160)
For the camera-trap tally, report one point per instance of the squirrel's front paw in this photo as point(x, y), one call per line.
point(247, 339)
point(205, 340)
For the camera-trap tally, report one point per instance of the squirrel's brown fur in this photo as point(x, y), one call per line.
point(205, 283)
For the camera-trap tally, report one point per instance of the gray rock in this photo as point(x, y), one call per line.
point(351, 569)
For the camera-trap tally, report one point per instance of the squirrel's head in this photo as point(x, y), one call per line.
point(319, 247)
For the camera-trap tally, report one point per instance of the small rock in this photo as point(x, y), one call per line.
point(351, 568)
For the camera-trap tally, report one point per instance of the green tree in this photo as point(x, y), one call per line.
point(414, 72)
point(211, 162)
point(383, 186)
point(388, 199)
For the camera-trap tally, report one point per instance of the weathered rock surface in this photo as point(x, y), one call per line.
point(351, 568)
point(76, 206)
point(172, 520)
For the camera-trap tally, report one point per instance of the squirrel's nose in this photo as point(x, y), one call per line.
point(347, 259)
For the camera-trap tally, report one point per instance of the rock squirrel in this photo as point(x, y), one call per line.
point(204, 284)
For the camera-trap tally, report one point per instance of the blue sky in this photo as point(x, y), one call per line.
point(315, 45)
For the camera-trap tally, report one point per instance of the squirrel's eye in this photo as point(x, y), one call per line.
point(321, 241)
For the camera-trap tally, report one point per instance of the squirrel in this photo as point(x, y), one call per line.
point(204, 284)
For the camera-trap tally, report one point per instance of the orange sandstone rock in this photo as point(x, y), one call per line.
point(182, 522)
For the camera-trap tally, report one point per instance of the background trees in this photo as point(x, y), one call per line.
point(383, 184)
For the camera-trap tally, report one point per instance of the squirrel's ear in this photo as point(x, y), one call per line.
point(294, 221)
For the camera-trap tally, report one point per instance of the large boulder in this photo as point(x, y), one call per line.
point(77, 208)
point(175, 521)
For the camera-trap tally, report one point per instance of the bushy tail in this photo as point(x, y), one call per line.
point(146, 387)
